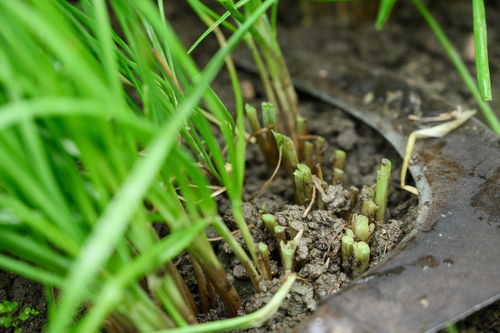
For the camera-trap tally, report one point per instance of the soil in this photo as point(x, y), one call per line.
point(26, 293)
point(318, 263)
point(405, 47)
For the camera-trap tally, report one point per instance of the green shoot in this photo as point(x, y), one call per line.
point(301, 132)
point(361, 228)
point(338, 176)
point(339, 159)
point(384, 11)
point(268, 114)
point(287, 251)
point(382, 189)
point(308, 154)
point(319, 145)
point(279, 233)
point(481, 49)
point(303, 184)
point(265, 259)
point(287, 146)
point(369, 208)
point(347, 244)
point(270, 222)
point(488, 113)
point(361, 252)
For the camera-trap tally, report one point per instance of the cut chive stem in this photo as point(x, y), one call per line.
point(303, 184)
point(287, 251)
point(382, 189)
point(266, 261)
point(279, 233)
point(361, 227)
point(290, 157)
point(252, 118)
point(338, 176)
point(347, 245)
point(264, 138)
point(301, 133)
point(369, 208)
point(319, 146)
point(339, 159)
point(268, 114)
point(270, 222)
point(361, 252)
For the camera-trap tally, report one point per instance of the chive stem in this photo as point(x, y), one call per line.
point(339, 159)
point(308, 154)
point(303, 184)
point(279, 233)
point(361, 252)
point(268, 114)
point(338, 176)
point(382, 189)
point(369, 208)
point(347, 244)
point(287, 251)
point(460, 66)
point(266, 261)
point(290, 157)
point(361, 228)
point(319, 146)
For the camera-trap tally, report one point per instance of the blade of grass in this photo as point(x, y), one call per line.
point(488, 113)
point(31, 272)
point(384, 11)
point(481, 49)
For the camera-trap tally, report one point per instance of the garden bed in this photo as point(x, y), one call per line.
point(320, 269)
point(319, 262)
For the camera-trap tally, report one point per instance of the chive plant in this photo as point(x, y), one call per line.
point(266, 52)
point(107, 132)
